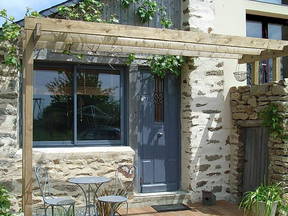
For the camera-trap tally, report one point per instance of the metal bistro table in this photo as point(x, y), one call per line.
point(93, 183)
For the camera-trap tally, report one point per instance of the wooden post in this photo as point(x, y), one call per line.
point(28, 46)
point(255, 73)
point(276, 71)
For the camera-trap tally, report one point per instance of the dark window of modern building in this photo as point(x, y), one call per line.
point(78, 106)
point(274, 1)
point(269, 28)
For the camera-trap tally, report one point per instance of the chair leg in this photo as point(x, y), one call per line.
point(45, 210)
point(73, 209)
point(52, 207)
point(126, 208)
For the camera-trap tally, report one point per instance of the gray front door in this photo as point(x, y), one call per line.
point(159, 150)
point(256, 157)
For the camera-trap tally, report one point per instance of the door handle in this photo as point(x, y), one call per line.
point(160, 134)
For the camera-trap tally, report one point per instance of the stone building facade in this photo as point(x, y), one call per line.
point(209, 138)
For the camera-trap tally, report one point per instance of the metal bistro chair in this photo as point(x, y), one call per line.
point(42, 178)
point(119, 195)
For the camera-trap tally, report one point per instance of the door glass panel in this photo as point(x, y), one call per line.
point(98, 105)
point(159, 100)
point(52, 105)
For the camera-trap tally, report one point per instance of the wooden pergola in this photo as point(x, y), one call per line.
point(78, 36)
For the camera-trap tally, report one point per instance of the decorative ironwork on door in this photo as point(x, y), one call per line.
point(159, 99)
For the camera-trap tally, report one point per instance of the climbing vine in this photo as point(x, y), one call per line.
point(10, 38)
point(148, 9)
point(161, 65)
point(86, 10)
point(274, 118)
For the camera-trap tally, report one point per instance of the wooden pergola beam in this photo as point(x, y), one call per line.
point(266, 54)
point(116, 30)
point(148, 43)
point(95, 48)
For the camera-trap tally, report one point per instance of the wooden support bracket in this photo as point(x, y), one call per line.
point(37, 32)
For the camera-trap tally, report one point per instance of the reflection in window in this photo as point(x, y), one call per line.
point(85, 110)
point(52, 105)
point(98, 114)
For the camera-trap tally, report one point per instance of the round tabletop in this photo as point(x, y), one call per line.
point(89, 180)
point(112, 199)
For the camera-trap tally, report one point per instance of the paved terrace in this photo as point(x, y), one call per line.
point(222, 208)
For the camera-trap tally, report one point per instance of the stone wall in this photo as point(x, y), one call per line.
point(205, 150)
point(10, 163)
point(246, 104)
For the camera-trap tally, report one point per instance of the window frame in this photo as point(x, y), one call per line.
point(265, 21)
point(123, 107)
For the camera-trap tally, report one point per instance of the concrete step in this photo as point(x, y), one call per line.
point(161, 198)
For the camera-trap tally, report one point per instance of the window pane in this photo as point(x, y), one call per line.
point(275, 31)
point(52, 105)
point(254, 29)
point(98, 102)
point(279, 32)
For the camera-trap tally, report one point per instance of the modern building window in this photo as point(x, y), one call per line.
point(78, 106)
point(269, 28)
point(274, 1)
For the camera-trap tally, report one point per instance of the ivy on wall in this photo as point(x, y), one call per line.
point(148, 9)
point(273, 117)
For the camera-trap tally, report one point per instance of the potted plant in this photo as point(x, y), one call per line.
point(263, 201)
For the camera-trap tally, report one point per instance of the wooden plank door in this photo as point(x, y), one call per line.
point(256, 157)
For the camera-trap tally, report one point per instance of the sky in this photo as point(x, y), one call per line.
point(17, 8)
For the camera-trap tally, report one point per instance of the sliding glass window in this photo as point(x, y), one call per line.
point(77, 106)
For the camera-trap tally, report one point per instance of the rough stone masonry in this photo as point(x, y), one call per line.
point(246, 104)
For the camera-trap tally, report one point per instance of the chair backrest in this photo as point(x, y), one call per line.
point(128, 171)
point(42, 178)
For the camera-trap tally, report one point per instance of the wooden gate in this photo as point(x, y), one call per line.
point(255, 141)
